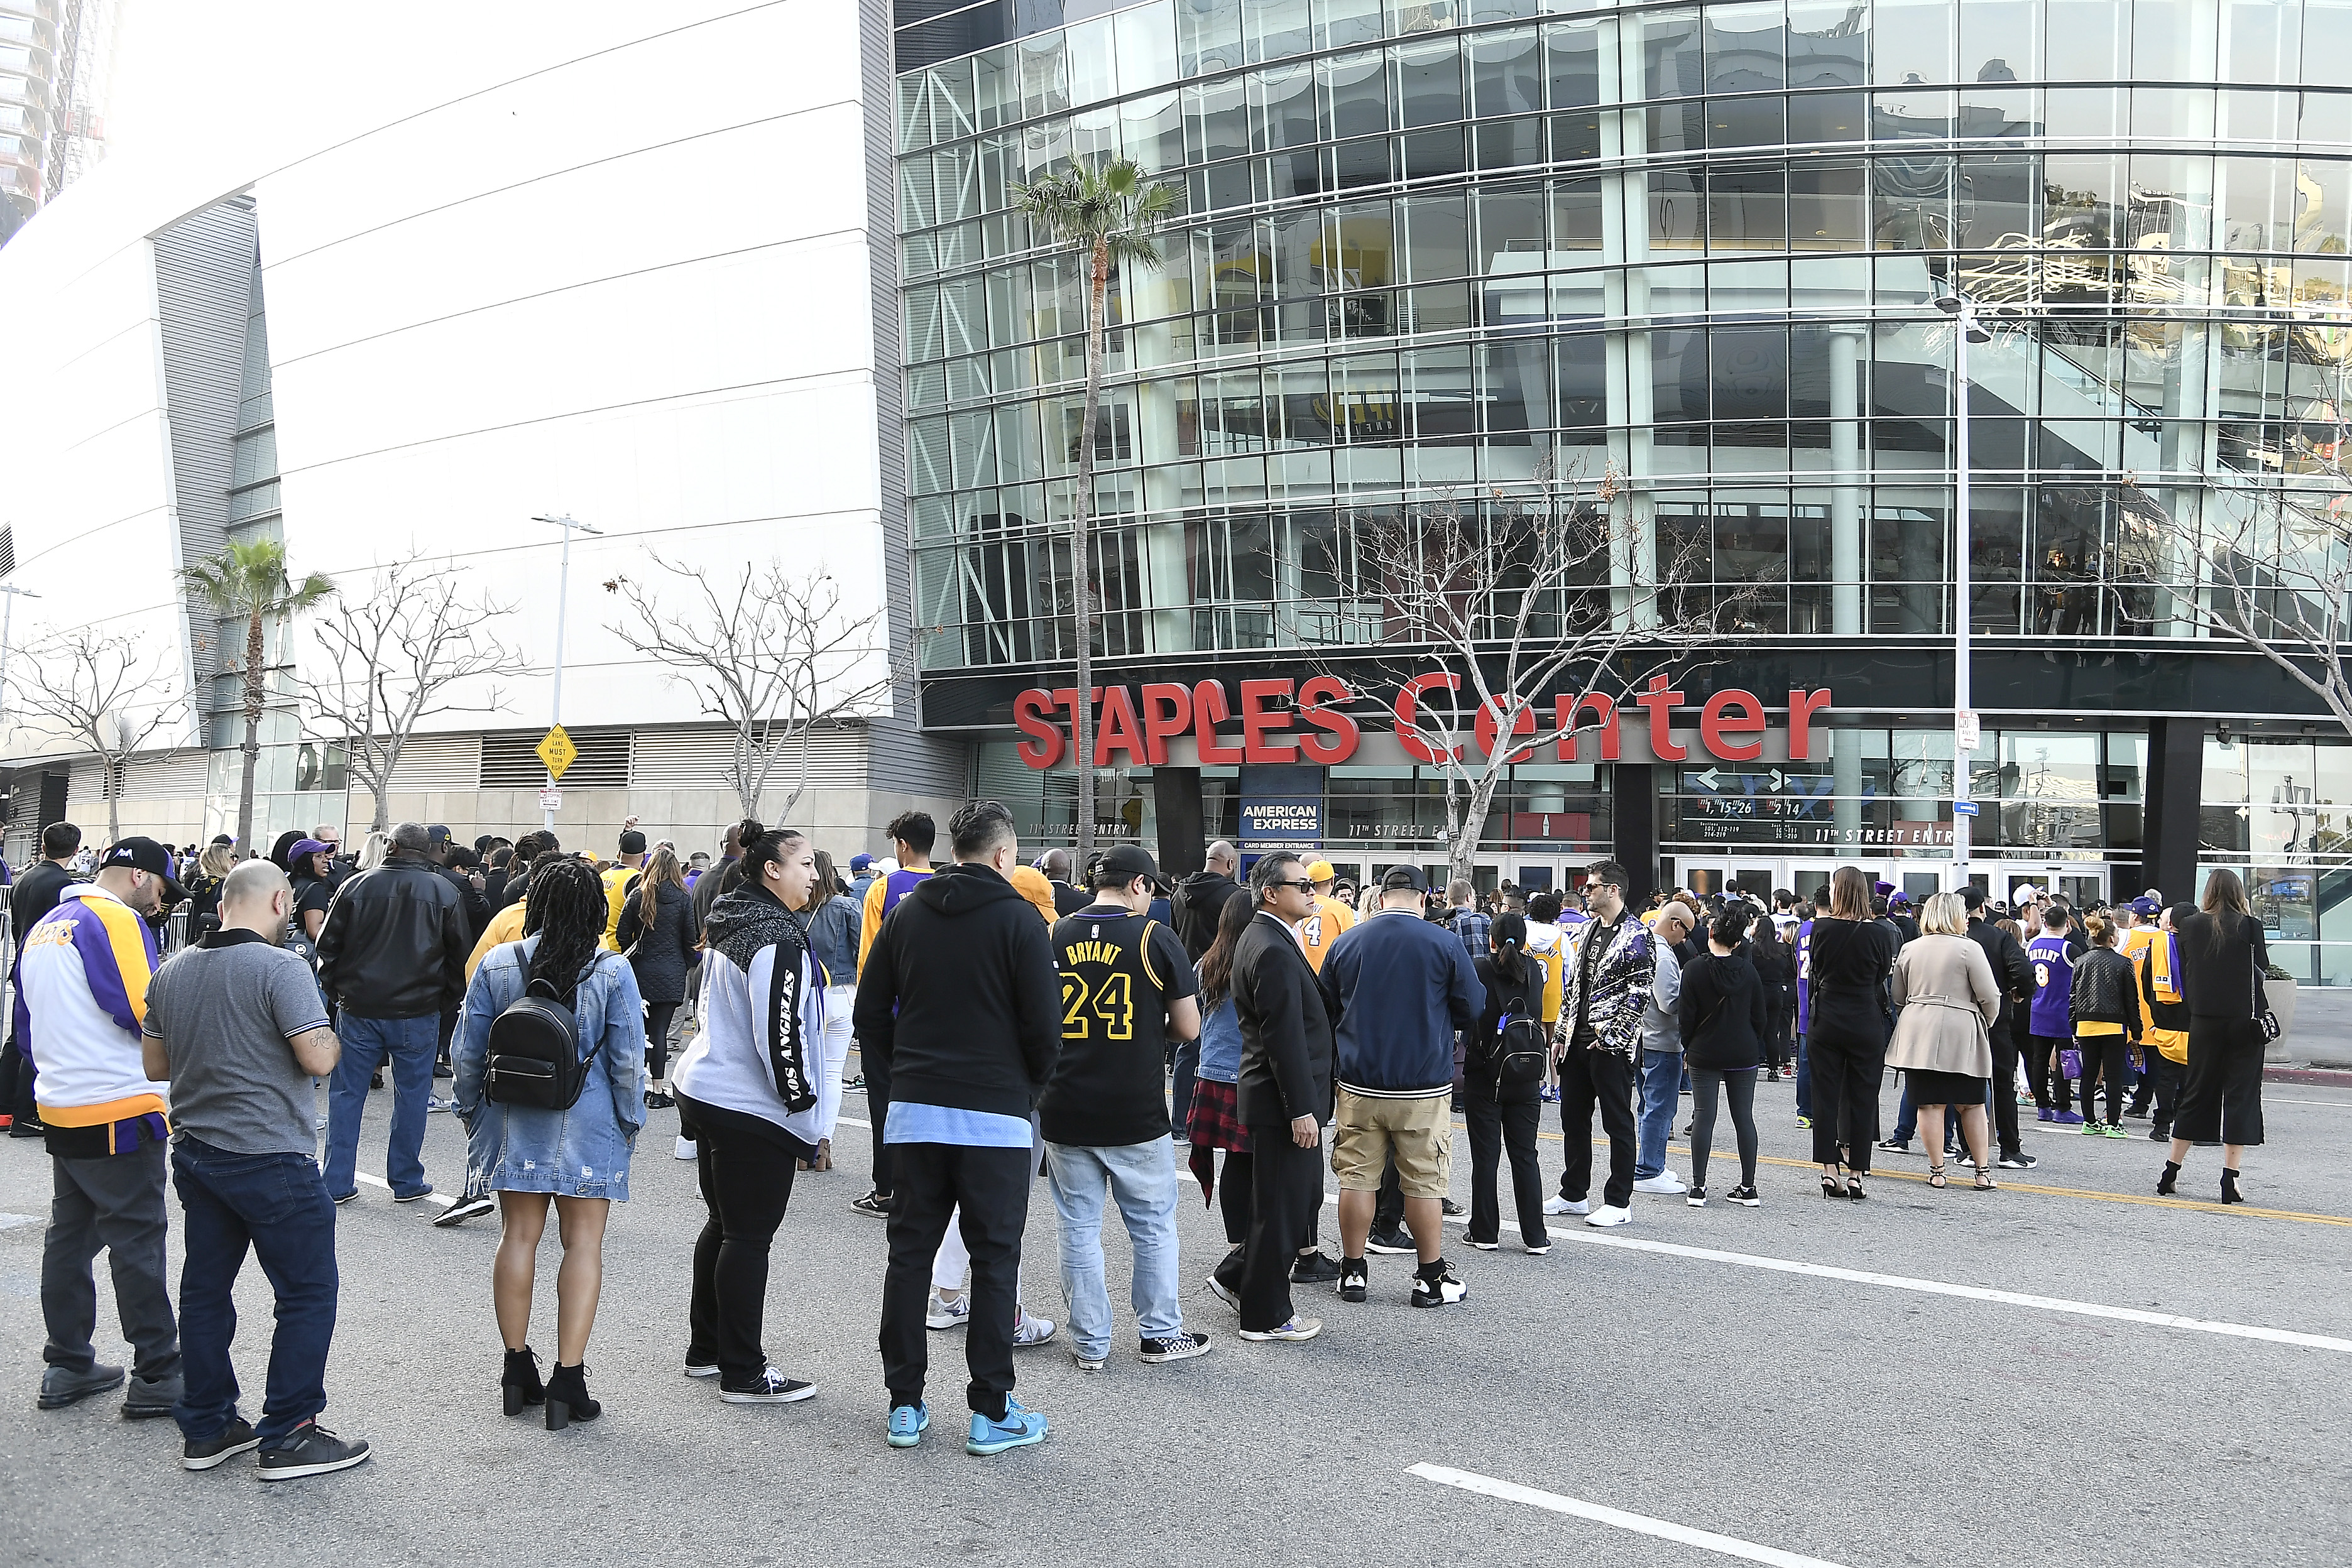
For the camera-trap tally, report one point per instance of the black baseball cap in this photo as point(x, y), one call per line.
point(632, 843)
point(1127, 861)
point(1398, 878)
point(138, 854)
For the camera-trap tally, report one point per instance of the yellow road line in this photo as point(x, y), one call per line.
point(2149, 1200)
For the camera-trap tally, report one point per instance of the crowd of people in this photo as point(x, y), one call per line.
point(1013, 1022)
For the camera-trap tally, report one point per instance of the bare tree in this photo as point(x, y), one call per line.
point(1565, 584)
point(2269, 568)
point(412, 648)
point(92, 687)
point(769, 654)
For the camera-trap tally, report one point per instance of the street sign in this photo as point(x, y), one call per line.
point(557, 751)
point(551, 800)
point(1964, 808)
point(1969, 731)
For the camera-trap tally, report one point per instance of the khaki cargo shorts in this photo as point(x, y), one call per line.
point(1421, 1131)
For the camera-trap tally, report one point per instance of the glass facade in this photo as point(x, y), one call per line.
point(1464, 252)
point(1453, 244)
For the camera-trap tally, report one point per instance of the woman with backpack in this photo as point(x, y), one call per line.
point(747, 1091)
point(1502, 1089)
point(1724, 1019)
point(657, 932)
point(575, 1155)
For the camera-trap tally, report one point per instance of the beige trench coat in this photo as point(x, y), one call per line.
point(1947, 999)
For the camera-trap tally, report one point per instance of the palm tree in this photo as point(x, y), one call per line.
point(1109, 212)
point(248, 581)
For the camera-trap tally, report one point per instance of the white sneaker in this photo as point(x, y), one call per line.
point(1610, 1215)
point(1665, 1181)
point(945, 1314)
point(1030, 1329)
point(684, 1150)
point(1561, 1206)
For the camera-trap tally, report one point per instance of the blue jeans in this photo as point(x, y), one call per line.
point(1661, 1087)
point(1187, 1070)
point(276, 1204)
point(1804, 1083)
point(1142, 1179)
point(410, 1044)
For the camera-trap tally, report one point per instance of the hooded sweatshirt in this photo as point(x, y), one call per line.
point(959, 999)
point(762, 1005)
point(1199, 900)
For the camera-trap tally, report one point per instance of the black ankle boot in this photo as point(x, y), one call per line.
point(2230, 1193)
point(567, 1398)
point(2165, 1183)
point(521, 1380)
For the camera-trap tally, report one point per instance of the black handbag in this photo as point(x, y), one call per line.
point(2266, 1021)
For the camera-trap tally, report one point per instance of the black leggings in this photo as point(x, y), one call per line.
point(1233, 1197)
point(746, 1181)
point(2102, 1058)
point(657, 1017)
point(1740, 1088)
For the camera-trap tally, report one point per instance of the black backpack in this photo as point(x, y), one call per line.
point(534, 1053)
point(1520, 1053)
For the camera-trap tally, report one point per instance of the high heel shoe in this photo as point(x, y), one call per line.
point(567, 1397)
point(1830, 1184)
point(1854, 1188)
point(2230, 1193)
point(520, 1381)
point(2166, 1183)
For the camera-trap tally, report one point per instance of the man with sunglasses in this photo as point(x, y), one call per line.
point(1610, 966)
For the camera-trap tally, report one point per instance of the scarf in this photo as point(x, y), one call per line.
point(741, 926)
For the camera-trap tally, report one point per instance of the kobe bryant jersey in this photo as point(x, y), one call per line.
point(1119, 971)
point(2054, 985)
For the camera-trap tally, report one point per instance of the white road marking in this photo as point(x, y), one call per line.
point(1663, 1529)
point(1970, 1292)
point(443, 1198)
point(856, 1123)
point(2273, 1099)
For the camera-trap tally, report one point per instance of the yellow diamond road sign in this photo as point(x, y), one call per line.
point(557, 751)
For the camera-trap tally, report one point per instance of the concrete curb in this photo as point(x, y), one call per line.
point(2341, 1078)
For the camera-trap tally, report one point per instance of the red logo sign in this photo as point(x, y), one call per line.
point(1307, 721)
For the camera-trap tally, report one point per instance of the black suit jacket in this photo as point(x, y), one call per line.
point(2011, 970)
point(1287, 1046)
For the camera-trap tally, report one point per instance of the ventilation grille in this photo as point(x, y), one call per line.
point(180, 777)
point(697, 759)
point(436, 763)
point(510, 760)
point(7, 548)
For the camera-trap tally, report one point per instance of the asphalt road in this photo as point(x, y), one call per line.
point(1835, 1420)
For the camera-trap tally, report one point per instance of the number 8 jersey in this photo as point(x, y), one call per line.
point(1119, 971)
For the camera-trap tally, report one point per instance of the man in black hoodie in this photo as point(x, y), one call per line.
point(960, 998)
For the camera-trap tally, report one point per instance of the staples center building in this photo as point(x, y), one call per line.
point(1428, 251)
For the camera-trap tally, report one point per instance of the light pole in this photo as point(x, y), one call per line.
point(562, 597)
point(1966, 732)
point(9, 615)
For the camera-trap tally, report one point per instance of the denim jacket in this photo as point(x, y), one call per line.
point(1221, 1044)
point(579, 1153)
point(832, 929)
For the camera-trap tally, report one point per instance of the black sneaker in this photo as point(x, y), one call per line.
point(1314, 1268)
point(1745, 1197)
point(1175, 1347)
point(1450, 1208)
point(376, 1079)
point(2160, 1133)
point(1696, 1197)
point(1355, 1279)
point(771, 1387)
point(1436, 1286)
point(441, 1070)
point(310, 1449)
point(1893, 1145)
point(877, 1203)
point(2016, 1160)
point(235, 1438)
point(464, 1209)
point(1393, 1241)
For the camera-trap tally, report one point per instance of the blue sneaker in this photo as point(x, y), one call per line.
point(908, 1423)
point(1018, 1429)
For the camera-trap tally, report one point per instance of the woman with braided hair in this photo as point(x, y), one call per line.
point(578, 1158)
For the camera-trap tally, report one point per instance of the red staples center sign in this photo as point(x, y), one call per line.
point(1307, 721)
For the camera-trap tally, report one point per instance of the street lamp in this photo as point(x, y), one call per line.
point(1966, 734)
point(562, 595)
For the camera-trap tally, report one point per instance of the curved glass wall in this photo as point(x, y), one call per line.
point(1443, 248)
